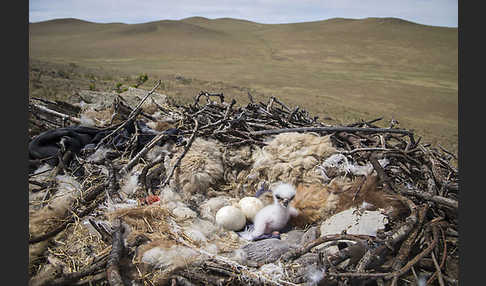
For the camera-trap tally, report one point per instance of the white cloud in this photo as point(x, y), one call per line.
point(430, 12)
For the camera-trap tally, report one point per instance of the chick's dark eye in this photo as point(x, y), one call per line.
point(278, 197)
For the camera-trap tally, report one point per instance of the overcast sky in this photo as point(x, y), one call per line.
point(428, 12)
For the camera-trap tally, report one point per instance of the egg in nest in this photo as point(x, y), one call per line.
point(250, 207)
point(231, 218)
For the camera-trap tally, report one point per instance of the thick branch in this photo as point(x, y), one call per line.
point(306, 248)
point(112, 266)
point(142, 152)
point(55, 113)
point(331, 129)
point(186, 148)
point(132, 115)
point(433, 198)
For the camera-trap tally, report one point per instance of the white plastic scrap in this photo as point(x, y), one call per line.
point(341, 162)
point(354, 221)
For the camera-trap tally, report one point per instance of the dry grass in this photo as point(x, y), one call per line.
point(340, 68)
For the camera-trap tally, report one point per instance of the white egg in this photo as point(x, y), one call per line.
point(231, 218)
point(250, 206)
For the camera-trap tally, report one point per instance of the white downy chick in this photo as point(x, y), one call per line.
point(274, 217)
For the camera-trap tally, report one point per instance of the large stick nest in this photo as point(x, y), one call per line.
point(96, 234)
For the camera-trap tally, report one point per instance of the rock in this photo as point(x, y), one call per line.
point(96, 99)
point(133, 96)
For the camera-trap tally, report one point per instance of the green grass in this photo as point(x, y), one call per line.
point(340, 68)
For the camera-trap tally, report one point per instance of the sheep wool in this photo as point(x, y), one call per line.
point(201, 167)
point(291, 157)
point(320, 201)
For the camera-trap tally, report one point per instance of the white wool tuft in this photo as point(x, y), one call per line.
point(130, 184)
point(315, 275)
point(342, 164)
point(207, 228)
point(126, 204)
point(162, 257)
point(44, 172)
point(67, 185)
point(82, 104)
point(157, 151)
point(422, 280)
point(211, 248)
point(183, 212)
point(195, 235)
point(239, 255)
point(86, 121)
point(276, 272)
point(167, 194)
point(43, 169)
point(209, 208)
point(68, 190)
point(98, 155)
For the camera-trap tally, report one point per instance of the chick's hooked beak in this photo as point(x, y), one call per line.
point(285, 201)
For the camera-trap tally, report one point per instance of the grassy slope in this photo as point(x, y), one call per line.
point(342, 68)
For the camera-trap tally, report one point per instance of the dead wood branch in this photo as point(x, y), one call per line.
point(142, 152)
point(64, 117)
point(407, 244)
point(421, 175)
point(179, 159)
point(433, 198)
point(70, 278)
point(332, 129)
point(293, 254)
point(68, 221)
point(131, 117)
point(112, 268)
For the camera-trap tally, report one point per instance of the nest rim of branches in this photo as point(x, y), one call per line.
point(422, 175)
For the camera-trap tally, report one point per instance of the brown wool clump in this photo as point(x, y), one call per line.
point(317, 202)
point(201, 167)
point(291, 157)
point(150, 221)
point(52, 214)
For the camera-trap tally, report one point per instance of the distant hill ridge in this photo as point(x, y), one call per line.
point(199, 19)
point(335, 66)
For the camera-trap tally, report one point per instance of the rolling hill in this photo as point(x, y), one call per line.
point(346, 69)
